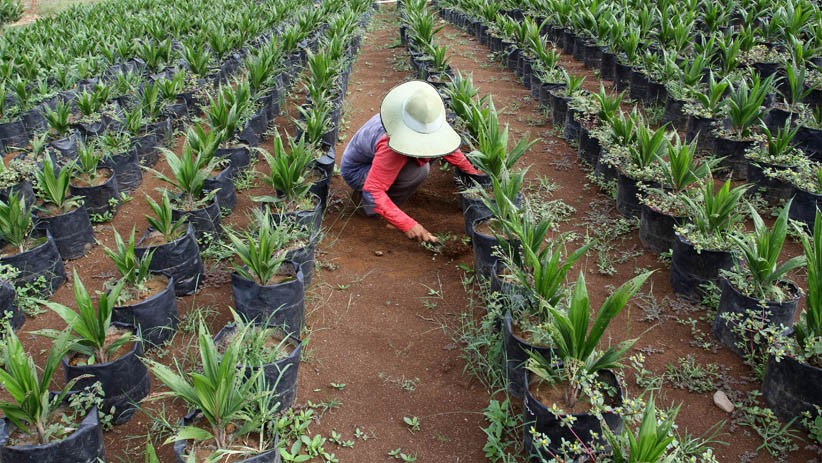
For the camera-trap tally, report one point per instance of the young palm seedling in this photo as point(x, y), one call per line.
point(53, 188)
point(96, 339)
point(314, 122)
point(491, 154)
point(762, 274)
point(134, 271)
point(260, 252)
point(289, 174)
point(188, 177)
point(15, 222)
point(577, 360)
point(225, 396)
point(163, 221)
point(756, 296)
point(33, 409)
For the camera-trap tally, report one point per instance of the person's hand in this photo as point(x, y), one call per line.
point(480, 178)
point(419, 233)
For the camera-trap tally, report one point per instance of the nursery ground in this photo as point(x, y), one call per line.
point(380, 307)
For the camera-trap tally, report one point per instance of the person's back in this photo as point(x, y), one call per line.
point(359, 154)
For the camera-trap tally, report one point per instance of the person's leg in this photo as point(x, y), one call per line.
point(408, 181)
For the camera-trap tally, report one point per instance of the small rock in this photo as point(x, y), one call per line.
point(378, 253)
point(721, 400)
point(450, 346)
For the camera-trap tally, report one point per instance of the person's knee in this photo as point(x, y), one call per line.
point(412, 175)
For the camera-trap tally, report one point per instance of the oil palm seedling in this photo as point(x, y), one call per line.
point(10, 11)
point(650, 441)
point(681, 169)
point(744, 106)
point(491, 153)
point(94, 182)
point(795, 359)
point(259, 252)
point(762, 273)
point(88, 163)
point(53, 187)
point(134, 271)
point(15, 222)
point(703, 246)
point(542, 269)
point(314, 122)
point(163, 220)
point(155, 53)
point(575, 344)
point(773, 165)
point(58, 119)
point(708, 105)
point(32, 407)
point(91, 325)
point(222, 394)
point(757, 296)
point(663, 207)
point(642, 158)
point(288, 174)
point(715, 214)
point(188, 177)
point(172, 238)
point(578, 379)
point(197, 57)
point(150, 101)
point(809, 329)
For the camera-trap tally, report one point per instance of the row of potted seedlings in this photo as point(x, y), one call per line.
point(272, 259)
point(756, 297)
point(417, 29)
point(706, 238)
point(706, 98)
point(31, 88)
point(551, 359)
point(99, 186)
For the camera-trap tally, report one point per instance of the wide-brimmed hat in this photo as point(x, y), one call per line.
point(413, 115)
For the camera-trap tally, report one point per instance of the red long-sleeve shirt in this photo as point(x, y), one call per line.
point(384, 170)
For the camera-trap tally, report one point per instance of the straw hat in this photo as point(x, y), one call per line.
point(413, 115)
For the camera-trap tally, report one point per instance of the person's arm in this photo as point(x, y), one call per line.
point(385, 167)
point(458, 160)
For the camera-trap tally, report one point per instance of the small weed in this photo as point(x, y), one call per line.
point(361, 435)
point(408, 385)
point(501, 433)
point(325, 406)
point(645, 379)
point(338, 386)
point(689, 374)
point(244, 180)
point(28, 296)
point(405, 457)
point(442, 438)
point(654, 114)
point(562, 164)
point(191, 320)
point(652, 309)
point(336, 438)
point(412, 422)
point(701, 339)
point(711, 295)
point(777, 439)
point(215, 250)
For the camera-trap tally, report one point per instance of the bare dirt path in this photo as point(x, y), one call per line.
point(376, 326)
